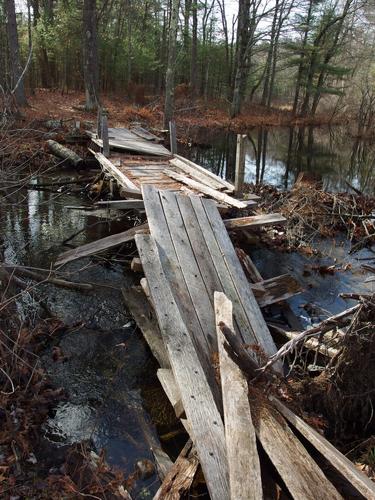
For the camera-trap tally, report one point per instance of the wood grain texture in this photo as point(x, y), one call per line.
point(196, 174)
point(343, 465)
point(254, 221)
point(204, 418)
point(109, 167)
point(243, 461)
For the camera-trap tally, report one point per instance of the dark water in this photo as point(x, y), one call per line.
point(277, 155)
point(108, 371)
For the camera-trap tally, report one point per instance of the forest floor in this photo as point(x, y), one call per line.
point(214, 114)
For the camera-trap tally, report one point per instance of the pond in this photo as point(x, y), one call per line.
point(277, 155)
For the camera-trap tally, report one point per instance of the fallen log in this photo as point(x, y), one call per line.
point(64, 153)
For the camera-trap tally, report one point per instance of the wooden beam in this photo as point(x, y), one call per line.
point(213, 193)
point(172, 137)
point(104, 135)
point(244, 467)
point(122, 204)
point(275, 289)
point(240, 165)
point(343, 465)
point(101, 245)
point(301, 475)
point(206, 424)
point(227, 185)
point(197, 174)
point(254, 221)
point(114, 171)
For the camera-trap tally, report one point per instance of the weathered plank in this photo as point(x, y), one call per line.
point(180, 477)
point(227, 185)
point(196, 174)
point(254, 221)
point(275, 289)
point(254, 314)
point(217, 195)
point(145, 318)
point(243, 461)
point(204, 418)
point(301, 475)
point(122, 204)
point(169, 385)
point(101, 245)
point(114, 171)
point(248, 265)
point(138, 145)
point(144, 134)
point(343, 465)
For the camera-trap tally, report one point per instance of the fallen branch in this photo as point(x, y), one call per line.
point(323, 327)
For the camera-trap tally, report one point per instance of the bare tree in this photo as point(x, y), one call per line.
point(17, 84)
point(90, 54)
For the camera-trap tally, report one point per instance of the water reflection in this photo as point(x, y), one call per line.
point(277, 155)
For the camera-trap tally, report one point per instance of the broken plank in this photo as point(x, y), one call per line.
point(343, 465)
point(254, 221)
point(145, 134)
point(137, 145)
point(226, 184)
point(114, 171)
point(275, 289)
point(301, 475)
point(101, 245)
point(217, 195)
point(196, 174)
point(243, 461)
point(248, 265)
point(181, 475)
point(145, 318)
point(206, 424)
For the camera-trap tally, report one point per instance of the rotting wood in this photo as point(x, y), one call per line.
point(301, 475)
point(98, 246)
point(217, 195)
point(275, 289)
point(64, 153)
point(144, 134)
point(343, 465)
point(227, 185)
point(144, 316)
point(243, 461)
point(248, 265)
point(204, 418)
point(162, 461)
point(136, 265)
point(138, 145)
point(254, 221)
point(181, 475)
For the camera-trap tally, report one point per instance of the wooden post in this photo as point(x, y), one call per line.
point(99, 123)
point(240, 165)
point(104, 134)
point(172, 137)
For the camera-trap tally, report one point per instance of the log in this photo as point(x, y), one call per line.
point(64, 153)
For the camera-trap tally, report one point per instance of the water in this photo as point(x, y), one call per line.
point(276, 156)
point(107, 372)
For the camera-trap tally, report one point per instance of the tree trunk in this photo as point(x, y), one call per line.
point(14, 53)
point(169, 79)
point(90, 55)
point(194, 49)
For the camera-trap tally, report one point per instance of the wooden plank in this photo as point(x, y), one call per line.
point(145, 318)
point(253, 312)
point(254, 221)
point(144, 147)
point(249, 267)
point(228, 186)
point(101, 245)
point(301, 475)
point(114, 171)
point(196, 174)
point(169, 385)
point(204, 418)
point(122, 204)
point(343, 465)
point(243, 461)
point(217, 195)
point(276, 289)
point(144, 134)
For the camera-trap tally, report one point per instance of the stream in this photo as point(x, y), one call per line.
point(114, 398)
